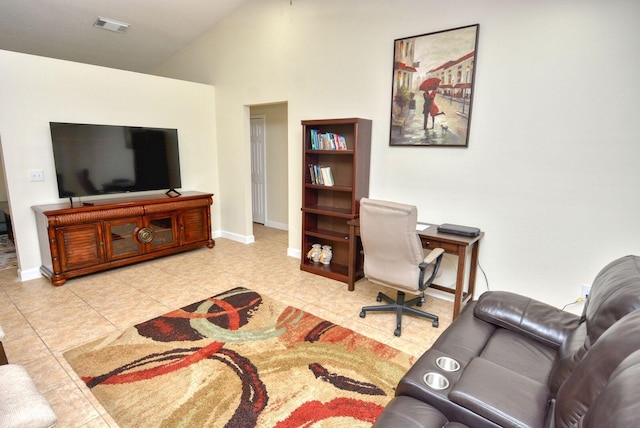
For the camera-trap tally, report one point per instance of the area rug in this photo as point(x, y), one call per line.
point(7, 253)
point(239, 359)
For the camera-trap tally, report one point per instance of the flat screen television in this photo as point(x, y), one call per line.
point(103, 159)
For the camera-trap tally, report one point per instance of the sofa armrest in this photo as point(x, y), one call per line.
point(502, 396)
point(539, 321)
point(407, 412)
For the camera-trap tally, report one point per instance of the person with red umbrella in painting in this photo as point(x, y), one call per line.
point(430, 108)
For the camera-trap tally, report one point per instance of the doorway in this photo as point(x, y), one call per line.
point(269, 165)
point(8, 257)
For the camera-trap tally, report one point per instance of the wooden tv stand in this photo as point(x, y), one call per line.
point(82, 239)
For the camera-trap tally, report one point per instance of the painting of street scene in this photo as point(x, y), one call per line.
point(433, 88)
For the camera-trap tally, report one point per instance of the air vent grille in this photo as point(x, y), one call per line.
point(111, 24)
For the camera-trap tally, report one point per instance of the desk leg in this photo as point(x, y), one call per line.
point(473, 269)
point(457, 301)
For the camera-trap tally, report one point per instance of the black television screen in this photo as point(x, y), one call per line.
point(102, 159)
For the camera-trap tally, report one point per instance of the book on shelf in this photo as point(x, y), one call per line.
point(327, 176)
point(312, 174)
point(316, 175)
point(321, 175)
point(327, 141)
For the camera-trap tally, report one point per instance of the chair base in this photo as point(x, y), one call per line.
point(399, 306)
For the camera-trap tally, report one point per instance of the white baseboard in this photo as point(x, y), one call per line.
point(449, 297)
point(247, 239)
point(243, 239)
point(294, 252)
point(29, 274)
point(275, 225)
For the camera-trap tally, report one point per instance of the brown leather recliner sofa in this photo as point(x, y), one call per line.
point(523, 363)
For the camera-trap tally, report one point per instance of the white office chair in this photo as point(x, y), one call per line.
point(21, 403)
point(394, 257)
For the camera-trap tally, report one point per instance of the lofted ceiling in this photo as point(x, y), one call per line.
point(64, 29)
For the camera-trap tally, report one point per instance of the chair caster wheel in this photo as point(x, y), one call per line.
point(362, 314)
point(378, 299)
point(435, 324)
point(419, 304)
point(397, 332)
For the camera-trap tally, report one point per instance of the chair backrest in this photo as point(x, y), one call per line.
point(618, 405)
point(614, 294)
point(392, 248)
point(581, 395)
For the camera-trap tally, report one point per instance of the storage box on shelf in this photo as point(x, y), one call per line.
point(343, 147)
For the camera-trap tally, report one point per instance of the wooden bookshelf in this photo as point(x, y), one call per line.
point(327, 210)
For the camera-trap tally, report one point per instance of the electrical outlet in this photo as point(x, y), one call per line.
point(36, 175)
point(586, 289)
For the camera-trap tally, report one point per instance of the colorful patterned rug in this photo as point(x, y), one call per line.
point(239, 359)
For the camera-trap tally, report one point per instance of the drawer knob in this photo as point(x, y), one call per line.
point(145, 235)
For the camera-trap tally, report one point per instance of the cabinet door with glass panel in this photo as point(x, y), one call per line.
point(133, 236)
point(122, 237)
point(164, 229)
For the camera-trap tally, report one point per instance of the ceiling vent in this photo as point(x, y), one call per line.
point(110, 24)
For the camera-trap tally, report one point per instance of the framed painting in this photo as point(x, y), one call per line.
point(432, 88)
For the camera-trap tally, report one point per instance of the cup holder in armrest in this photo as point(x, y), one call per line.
point(435, 380)
point(448, 364)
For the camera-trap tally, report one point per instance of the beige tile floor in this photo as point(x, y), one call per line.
point(42, 321)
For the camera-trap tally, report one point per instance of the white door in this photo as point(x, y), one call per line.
point(258, 169)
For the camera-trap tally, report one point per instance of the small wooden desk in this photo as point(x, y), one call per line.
point(452, 244)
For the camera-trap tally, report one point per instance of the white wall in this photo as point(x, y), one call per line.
point(36, 90)
point(551, 173)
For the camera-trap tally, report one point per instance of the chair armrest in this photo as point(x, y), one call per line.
point(539, 321)
point(433, 255)
point(433, 258)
